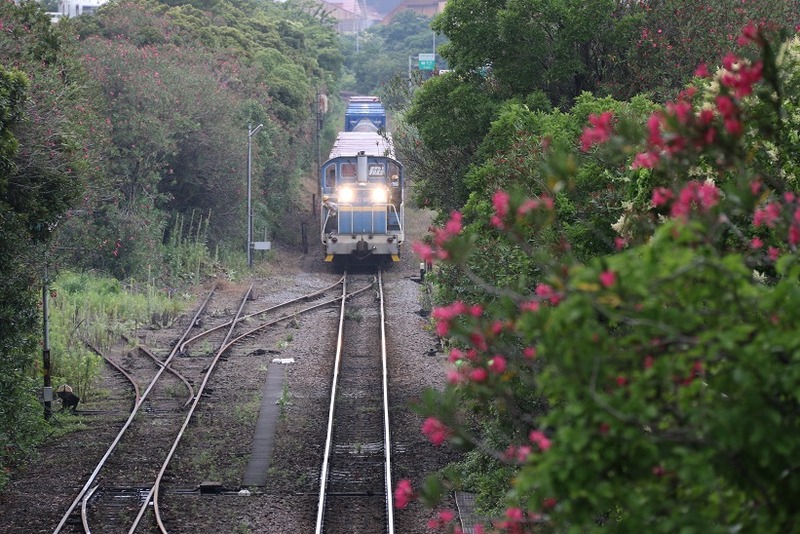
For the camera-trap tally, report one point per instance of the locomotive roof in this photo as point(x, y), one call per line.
point(349, 144)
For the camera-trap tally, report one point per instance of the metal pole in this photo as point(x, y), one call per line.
point(250, 133)
point(48, 407)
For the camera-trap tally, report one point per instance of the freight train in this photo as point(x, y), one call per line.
point(362, 189)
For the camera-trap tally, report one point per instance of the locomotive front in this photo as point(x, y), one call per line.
point(362, 199)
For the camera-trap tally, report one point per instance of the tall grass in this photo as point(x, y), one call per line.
point(186, 254)
point(99, 310)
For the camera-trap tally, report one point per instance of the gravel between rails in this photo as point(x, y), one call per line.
point(219, 440)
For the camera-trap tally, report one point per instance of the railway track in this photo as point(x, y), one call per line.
point(355, 482)
point(122, 493)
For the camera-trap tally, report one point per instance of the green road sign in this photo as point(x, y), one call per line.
point(427, 61)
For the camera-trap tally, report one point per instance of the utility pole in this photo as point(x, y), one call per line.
point(48, 387)
point(250, 133)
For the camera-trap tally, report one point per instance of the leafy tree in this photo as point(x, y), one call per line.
point(561, 48)
point(653, 388)
point(676, 36)
point(384, 50)
point(44, 163)
point(449, 118)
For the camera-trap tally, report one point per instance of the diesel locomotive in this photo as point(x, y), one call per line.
point(362, 189)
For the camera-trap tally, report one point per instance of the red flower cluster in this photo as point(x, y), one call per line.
point(599, 131)
point(440, 238)
point(403, 493)
point(436, 431)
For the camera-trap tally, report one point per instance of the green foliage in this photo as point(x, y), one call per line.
point(677, 35)
point(99, 310)
point(614, 369)
point(560, 48)
point(44, 165)
point(382, 51)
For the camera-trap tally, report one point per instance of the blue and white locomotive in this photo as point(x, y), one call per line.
point(362, 189)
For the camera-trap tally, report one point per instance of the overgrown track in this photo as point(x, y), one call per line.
point(133, 473)
point(90, 488)
point(355, 483)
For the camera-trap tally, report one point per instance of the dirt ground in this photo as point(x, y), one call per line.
point(219, 440)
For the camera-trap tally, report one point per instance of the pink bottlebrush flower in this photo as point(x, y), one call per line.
point(478, 375)
point(436, 431)
point(654, 138)
point(707, 195)
point(608, 278)
point(705, 117)
point(767, 215)
point(794, 235)
point(442, 328)
point(476, 310)
point(528, 205)
point(454, 377)
point(531, 306)
point(603, 428)
point(729, 61)
point(756, 243)
point(455, 356)
point(648, 361)
point(620, 243)
point(442, 520)
point(515, 514)
point(749, 34)
point(423, 251)
point(661, 195)
point(598, 132)
point(702, 71)
point(500, 201)
point(529, 353)
point(755, 186)
point(403, 493)
point(478, 341)
point(644, 160)
point(497, 364)
point(446, 515)
point(725, 106)
point(545, 291)
point(704, 196)
point(734, 126)
point(497, 222)
point(453, 226)
point(773, 253)
point(538, 438)
point(549, 502)
point(680, 110)
point(621, 381)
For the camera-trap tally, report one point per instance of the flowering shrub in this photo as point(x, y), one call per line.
point(656, 387)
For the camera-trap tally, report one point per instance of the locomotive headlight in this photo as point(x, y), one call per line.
point(379, 196)
point(346, 194)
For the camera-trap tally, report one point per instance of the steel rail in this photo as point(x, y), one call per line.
point(136, 395)
point(154, 490)
point(127, 424)
point(186, 383)
point(329, 437)
point(387, 443)
point(304, 310)
point(266, 310)
point(85, 510)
